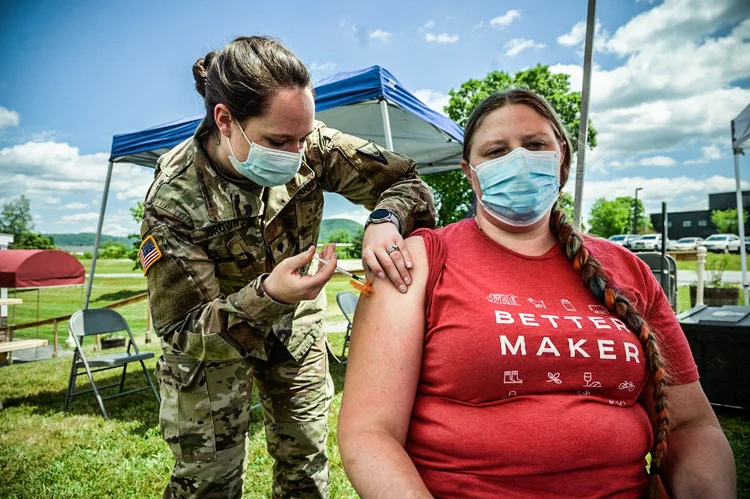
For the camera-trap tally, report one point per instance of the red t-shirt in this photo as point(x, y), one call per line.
point(529, 386)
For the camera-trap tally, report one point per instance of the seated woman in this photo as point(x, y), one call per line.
point(526, 360)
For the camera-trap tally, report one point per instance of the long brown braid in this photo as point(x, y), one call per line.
point(590, 268)
point(596, 280)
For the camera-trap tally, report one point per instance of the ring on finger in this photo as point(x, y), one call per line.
point(394, 247)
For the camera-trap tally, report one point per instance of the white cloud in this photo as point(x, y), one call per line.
point(680, 193)
point(441, 38)
point(577, 35)
point(710, 153)
point(429, 24)
point(381, 35)
point(505, 20)
point(434, 99)
point(75, 206)
point(80, 217)
point(518, 45)
point(668, 95)
point(326, 66)
point(8, 118)
point(45, 170)
point(658, 161)
point(674, 22)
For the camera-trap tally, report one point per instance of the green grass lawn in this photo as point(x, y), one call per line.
point(733, 262)
point(45, 452)
point(122, 266)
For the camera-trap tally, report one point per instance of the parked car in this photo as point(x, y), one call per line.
point(747, 244)
point(624, 239)
point(687, 243)
point(648, 242)
point(722, 243)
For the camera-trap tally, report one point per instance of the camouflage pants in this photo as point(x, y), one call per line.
point(205, 416)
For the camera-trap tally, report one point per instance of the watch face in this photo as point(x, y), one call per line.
point(379, 214)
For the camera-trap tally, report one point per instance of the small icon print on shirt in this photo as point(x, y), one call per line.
point(620, 403)
point(537, 303)
point(567, 305)
point(503, 299)
point(627, 385)
point(598, 309)
point(587, 377)
point(511, 393)
point(584, 392)
point(511, 377)
point(554, 378)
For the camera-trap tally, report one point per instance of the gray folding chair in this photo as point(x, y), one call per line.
point(347, 303)
point(99, 321)
point(665, 271)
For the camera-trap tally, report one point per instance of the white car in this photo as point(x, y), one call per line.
point(687, 243)
point(649, 242)
point(722, 243)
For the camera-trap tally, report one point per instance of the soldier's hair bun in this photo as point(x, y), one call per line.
point(200, 72)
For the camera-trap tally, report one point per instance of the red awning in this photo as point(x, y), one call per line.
point(39, 268)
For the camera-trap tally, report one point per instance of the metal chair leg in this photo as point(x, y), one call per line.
point(96, 392)
point(122, 378)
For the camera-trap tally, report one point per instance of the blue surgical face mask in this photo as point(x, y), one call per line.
point(264, 166)
point(519, 188)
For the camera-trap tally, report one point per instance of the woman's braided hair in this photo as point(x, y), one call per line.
point(588, 266)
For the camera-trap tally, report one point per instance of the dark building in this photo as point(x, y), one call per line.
point(698, 223)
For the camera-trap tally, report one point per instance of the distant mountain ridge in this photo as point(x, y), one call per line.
point(87, 238)
point(331, 225)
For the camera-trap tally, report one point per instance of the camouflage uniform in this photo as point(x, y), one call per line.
point(216, 240)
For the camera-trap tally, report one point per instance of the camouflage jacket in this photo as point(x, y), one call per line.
point(209, 241)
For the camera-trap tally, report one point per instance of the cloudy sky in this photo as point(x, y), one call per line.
point(669, 76)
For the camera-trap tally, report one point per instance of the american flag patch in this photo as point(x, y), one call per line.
point(149, 253)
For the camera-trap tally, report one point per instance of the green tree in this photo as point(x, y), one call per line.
point(112, 250)
point(355, 251)
point(32, 240)
point(339, 236)
point(132, 254)
point(453, 193)
point(608, 218)
point(15, 217)
point(726, 220)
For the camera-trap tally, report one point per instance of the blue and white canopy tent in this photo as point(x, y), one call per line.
point(370, 103)
point(740, 136)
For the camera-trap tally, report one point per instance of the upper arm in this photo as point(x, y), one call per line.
point(182, 278)
point(386, 354)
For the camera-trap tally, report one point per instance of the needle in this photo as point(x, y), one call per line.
point(358, 282)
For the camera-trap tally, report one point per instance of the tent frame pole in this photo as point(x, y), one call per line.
point(583, 130)
point(386, 124)
point(98, 235)
point(740, 221)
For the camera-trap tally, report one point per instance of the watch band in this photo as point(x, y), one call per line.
point(388, 217)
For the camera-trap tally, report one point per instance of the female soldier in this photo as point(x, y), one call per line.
point(229, 232)
point(528, 360)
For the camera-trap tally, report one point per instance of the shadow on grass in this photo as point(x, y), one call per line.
point(120, 295)
point(140, 406)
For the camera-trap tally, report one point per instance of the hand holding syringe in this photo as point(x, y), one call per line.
point(357, 282)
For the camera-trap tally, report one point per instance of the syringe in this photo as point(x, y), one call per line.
point(356, 281)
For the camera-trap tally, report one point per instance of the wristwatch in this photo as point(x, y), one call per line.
point(381, 216)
